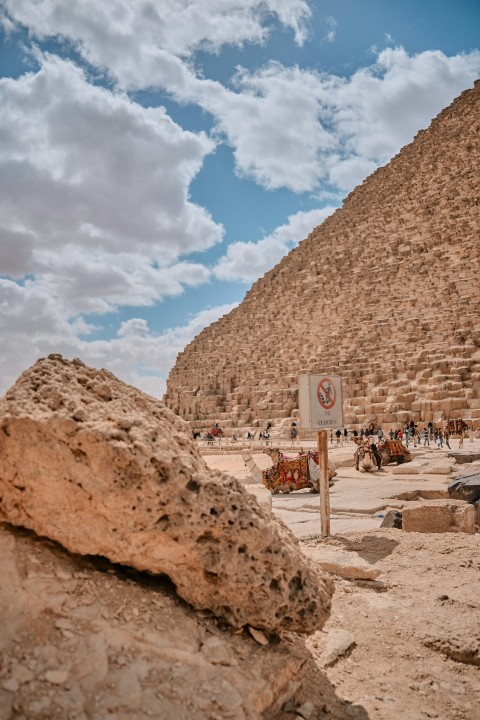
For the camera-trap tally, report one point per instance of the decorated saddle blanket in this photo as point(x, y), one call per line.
point(396, 447)
point(291, 472)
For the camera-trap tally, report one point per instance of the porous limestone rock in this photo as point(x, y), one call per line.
point(439, 516)
point(104, 469)
point(82, 638)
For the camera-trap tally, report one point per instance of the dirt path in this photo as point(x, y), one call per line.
point(415, 631)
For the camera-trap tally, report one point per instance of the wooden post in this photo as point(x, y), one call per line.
point(324, 482)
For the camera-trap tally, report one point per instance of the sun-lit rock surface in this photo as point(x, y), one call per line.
point(105, 470)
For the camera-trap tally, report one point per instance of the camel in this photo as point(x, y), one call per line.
point(389, 450)
point(394, 451)
point(364, 459)
point(288, 474)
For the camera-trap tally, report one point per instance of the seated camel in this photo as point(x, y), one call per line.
point(394, 451)
point(288, 473)
point(364, 458)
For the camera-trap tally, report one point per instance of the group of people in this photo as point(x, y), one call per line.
point(410, 434)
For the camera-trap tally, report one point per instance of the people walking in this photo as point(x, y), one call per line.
point(440, 439)
point(446, 437)
point(426, 437)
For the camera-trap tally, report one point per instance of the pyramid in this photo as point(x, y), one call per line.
point(385, 292)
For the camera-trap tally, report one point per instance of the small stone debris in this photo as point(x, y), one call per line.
point(56, 677)
point(11, 685)
point(336, 643)
point(258, 635)
point(393, 519)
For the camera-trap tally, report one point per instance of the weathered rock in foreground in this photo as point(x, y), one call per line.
point(80, 638)
point(106, 470)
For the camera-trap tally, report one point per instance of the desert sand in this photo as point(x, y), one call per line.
point(405, 645)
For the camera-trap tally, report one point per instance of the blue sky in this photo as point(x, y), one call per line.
point(158, 156)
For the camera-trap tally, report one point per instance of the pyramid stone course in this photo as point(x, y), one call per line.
point(385, 293)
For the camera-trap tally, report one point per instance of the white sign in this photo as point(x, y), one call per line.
point(321, 401)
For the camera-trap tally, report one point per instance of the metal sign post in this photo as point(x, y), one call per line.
point(321, 407)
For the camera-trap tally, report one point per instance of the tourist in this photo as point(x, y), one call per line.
point(446, 437)
point(407, 436)
point(331, 437)
point(345, 435)
point(376, 455)
point(440, 439)
point(430, 430)
point(380, 435)
point(460, 442)
point(338, 434)
point(426, 437)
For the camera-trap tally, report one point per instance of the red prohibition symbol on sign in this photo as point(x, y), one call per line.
point(326, 393)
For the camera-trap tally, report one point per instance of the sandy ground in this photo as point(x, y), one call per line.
point(415, 631)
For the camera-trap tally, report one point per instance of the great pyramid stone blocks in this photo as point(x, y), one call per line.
point(385, 293)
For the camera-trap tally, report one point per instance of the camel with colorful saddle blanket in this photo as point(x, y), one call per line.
point(288, 474)
point(388, 451)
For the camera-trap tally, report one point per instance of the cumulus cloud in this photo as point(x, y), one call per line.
point(247, 261)
point(288, 127)
point(94, 191)
point(33, 325)
point(107, 33)
point(296, 128)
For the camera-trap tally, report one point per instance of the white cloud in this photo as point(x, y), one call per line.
point(246, 261)
point(32, 325)
point(108, 33)
point(298, 128)
point(288, 127)
point(94, 192)
point(382, 107)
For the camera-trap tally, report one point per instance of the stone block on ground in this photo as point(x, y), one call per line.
point(104, 469)
point(439, 516)
point(345, 563)
point(392, 519)
point(333, 645)
point(464, 456)
point(416, 467)
point(465, 487)
point(442, 467)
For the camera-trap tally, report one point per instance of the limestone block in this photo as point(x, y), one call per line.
point(341, 562)
point(127, 483)
point(440, 467)
point(439, 516)
point(415, 467)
